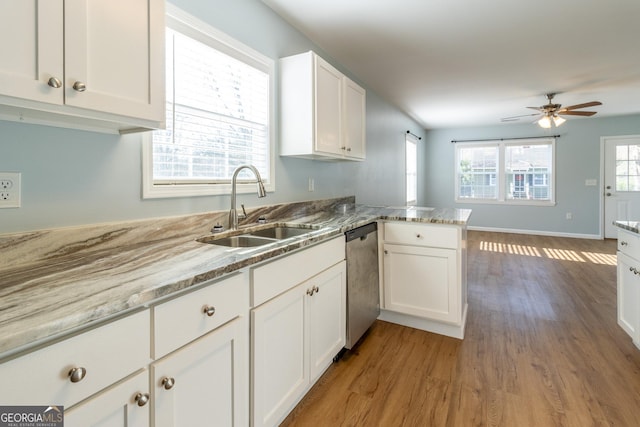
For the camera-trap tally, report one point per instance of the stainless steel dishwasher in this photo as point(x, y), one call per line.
point(363, 292)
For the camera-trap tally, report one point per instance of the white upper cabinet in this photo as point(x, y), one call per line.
point(89, 64)
point(322, 111)
point(31, 49)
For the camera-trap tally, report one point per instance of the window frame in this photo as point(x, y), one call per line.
point(501, 174)
point(410, 139)
point(184, 23)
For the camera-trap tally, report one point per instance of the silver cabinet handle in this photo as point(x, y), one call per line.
point(141, 399)
point(348, 149)
point(310, 292)
point(634, 270)
point(54, 82)
point(79, 86)
point(168, 383)
point(317, 289)
point(209, 310)
point(77, 374)
point(623, 243)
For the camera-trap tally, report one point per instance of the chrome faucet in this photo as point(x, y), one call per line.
point(233, 213)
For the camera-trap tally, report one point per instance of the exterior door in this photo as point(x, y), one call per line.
point(621, 181)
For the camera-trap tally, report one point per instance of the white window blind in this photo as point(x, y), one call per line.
point(217, 116)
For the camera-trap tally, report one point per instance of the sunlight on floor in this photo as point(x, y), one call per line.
point(552, 253)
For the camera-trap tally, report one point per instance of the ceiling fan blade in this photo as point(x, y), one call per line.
point(514, 118)
point(585, 105)
point(577, 113)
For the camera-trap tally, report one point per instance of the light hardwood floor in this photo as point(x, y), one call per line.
point(542, 348)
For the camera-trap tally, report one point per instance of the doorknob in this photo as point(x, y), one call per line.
point(608, 187)
point(608, 194)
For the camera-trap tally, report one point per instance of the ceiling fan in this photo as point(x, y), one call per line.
point(552, 112)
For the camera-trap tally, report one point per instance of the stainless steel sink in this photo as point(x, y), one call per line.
point(242, 241)
point(280, 232)
point(248, 238)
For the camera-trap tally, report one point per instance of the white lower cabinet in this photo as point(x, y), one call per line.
point(295, 337)
point(628, 284)
point(424, 277)
point(123, 405)
point(421, 281)
point(205, 382)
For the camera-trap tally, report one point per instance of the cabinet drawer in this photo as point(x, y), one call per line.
point(278, 276)
point(440, 236)
point(107, 354)
point(185, 318)
point(629, 244)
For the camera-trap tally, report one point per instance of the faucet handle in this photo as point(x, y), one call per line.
point(242, 215)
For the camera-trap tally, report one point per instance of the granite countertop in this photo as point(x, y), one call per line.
point(633, 226)
point(58, 281)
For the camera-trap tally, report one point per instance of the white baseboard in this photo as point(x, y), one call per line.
point(537, 232)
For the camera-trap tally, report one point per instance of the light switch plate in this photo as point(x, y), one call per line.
point(10, 189)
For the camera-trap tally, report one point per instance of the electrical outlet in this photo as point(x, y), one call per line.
point(9, 189)
point(569, 215)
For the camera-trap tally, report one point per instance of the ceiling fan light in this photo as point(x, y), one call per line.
point(545, 122)
point(558, 120)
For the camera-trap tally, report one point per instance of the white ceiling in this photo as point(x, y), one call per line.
point(451, 63)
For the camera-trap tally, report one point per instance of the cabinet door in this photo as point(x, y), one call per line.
point(421, 281)
point(115, 407)
point(205, 382)
point(328, 108)
point(279, 356)
point(115, 48)
point(31, 42)
point(354, 119)
point(629, 296)
point(327, 317)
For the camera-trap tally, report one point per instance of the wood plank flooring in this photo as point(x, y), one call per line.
point(542, 348)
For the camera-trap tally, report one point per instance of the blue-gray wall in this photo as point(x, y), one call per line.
point(577, 159)
point(74, 177)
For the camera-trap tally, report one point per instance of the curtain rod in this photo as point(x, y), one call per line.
point(413, 134)
point(453, 141)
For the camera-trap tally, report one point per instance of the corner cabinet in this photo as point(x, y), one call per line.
point(87, 64)
point(424, 277)
point(322, 111)
point(628, 284)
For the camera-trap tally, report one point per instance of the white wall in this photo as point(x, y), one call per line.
point(74, 177)
point(577, 159)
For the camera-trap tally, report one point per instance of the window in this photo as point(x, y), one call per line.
point(411, 168)
point(509, 171)
point(628, 167)
point(218, 106)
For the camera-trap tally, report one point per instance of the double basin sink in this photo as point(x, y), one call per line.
point(257, 236)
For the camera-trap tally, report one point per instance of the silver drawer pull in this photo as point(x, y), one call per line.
point(79, 87)
point(209, 310)
point(168, 383)
point(54, 82)
point(142, 399)
point(310, 292)
point(77, 374)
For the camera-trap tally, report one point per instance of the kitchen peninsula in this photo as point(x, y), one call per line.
point(131, 282)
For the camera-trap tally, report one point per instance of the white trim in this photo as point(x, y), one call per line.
point(536, 232)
